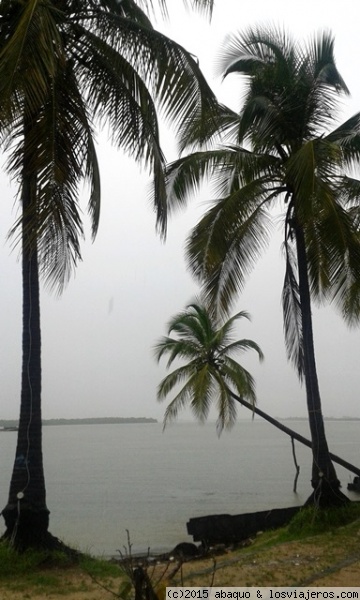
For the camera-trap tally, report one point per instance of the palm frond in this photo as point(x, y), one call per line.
point(196, 392)
point(226, 407)
point(59, 148)
point(204, 5)
point(242, 346)
point(206, 129)
point(183, 349)
point(347, 138)
point(254, 49)
point(25, 35)
point(175, 378)
point(325, 71)
point(223, 248)
point(169, 69)
point(291, 303)
point(230, 168)
point(348, 191)
point(238, 378)
point(225, 331)
point(184, 176)
point(119, 98)
point(344, 272)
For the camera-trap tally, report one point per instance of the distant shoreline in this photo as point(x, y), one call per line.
point(92, 421)
point(325, 418)
point(10, 423)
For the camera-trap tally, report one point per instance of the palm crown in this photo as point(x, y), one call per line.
point(210, 371)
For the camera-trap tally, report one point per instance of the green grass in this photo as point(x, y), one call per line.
point(311, 521)
point(19, 571)
point(99, 569)
point(44, 570)
point(12, 563)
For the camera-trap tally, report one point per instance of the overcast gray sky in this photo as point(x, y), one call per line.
point(98, 337)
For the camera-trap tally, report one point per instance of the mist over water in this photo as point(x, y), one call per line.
point(104, 479)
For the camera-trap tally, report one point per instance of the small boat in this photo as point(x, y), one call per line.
point(9, 429)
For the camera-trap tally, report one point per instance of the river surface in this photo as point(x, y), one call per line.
point(105, 479)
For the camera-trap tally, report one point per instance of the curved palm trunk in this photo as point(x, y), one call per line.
point(293, 434)
point(324, 479)
point(26, 514)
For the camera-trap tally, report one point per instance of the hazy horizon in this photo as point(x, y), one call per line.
point(98, 336)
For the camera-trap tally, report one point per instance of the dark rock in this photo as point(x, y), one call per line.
point(185, 550)
point(355, 485)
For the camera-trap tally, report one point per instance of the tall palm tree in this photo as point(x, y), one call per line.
point(66, 67)
point(280, 153)
point(210, 372)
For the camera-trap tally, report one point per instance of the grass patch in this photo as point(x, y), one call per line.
point(49, 572)
point(14, 563)
point(311, 521)
point(99, 569)
point(33, 568)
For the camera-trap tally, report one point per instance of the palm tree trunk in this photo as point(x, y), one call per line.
point(293, 434)
point(26, 514)
point(324, 479)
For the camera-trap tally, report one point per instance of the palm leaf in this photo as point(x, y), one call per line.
point(224, 246)
point(226, 407)
point(175, 348)
point(238, 378)
point(241, 346)
point(175, 378)
point(291, 304)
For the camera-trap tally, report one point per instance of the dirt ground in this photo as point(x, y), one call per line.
point(300, 564)
point(331, 561)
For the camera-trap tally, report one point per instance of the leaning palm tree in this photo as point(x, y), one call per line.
point(280, 153)
point(66, 67)
point(210, 371)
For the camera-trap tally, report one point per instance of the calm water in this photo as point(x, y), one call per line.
point(104, 479)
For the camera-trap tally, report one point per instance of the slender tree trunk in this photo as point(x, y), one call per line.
point(324, 479)
point(290, 432)
point(26, 514)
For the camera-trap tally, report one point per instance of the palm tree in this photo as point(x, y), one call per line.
point(66, 67)
point(279, 153)
point(210, 372)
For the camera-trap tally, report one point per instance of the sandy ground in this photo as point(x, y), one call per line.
point(334, 561)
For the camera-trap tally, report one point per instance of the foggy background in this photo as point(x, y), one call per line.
point(97, 338)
